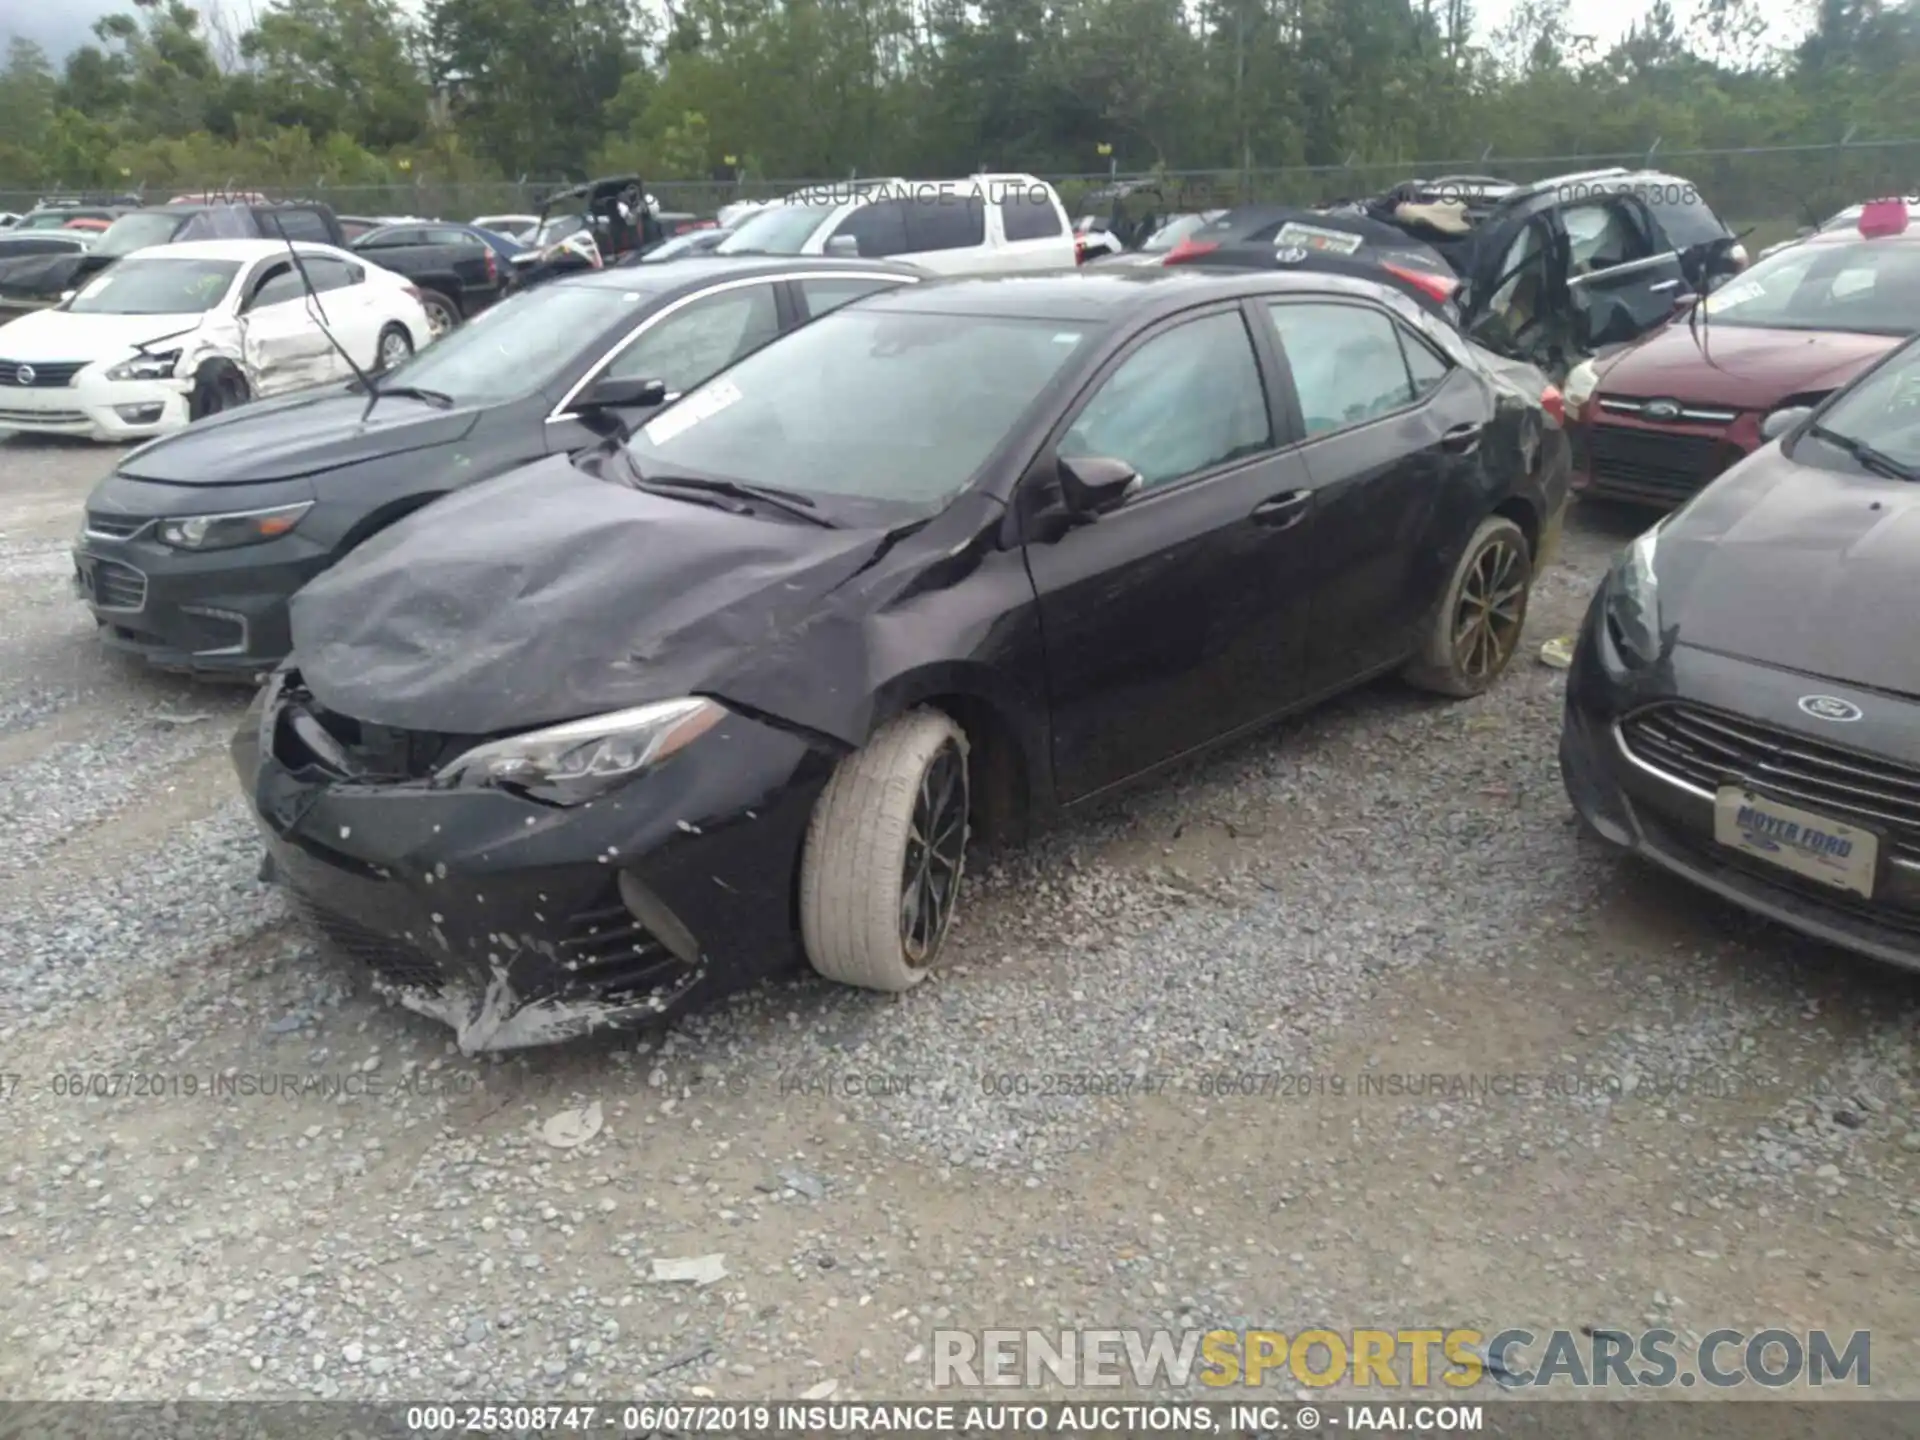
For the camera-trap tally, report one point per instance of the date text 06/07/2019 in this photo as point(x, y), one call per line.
point(632, 1421)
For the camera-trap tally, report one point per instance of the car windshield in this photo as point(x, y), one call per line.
point(518, 346)
point(157, 287)
point(1172, 233)
point(46, 220)
point(136, 232)
point(781, 229)
point(894, 409)
point(1868, 286)
point(1882, 412)
point(556, 228)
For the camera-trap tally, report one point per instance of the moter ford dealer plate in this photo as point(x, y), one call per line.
point(1803, 841)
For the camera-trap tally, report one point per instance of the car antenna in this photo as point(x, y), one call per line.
point(318, 314)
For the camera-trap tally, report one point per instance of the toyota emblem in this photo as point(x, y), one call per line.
point(24, 374)
point(1661, 410)
point(1830, 707)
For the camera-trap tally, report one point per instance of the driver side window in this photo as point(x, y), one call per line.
point(701, 339)
point(280, 284)
point(1602, 235)
point(1189, 399)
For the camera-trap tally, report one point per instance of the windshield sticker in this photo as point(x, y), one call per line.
point(1312, 237)
point(1067, 337)
point(1730, 295)
point(701, 405)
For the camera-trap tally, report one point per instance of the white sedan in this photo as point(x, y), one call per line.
point(176, 332)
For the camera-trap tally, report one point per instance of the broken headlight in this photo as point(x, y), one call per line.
point(1633, 602)
point(158, 366)
point(578, 760)
point(223, 532)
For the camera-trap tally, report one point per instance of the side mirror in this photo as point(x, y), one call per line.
point(1094, 484)
point(844, 246)
point(612, 394)
point(1781, 421)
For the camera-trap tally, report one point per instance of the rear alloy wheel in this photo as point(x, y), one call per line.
point(396, 346)
point(880, 875)
point(442, 314)
point(1476, 631)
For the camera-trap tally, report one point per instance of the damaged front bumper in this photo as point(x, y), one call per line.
point(95, 408)
point(519, 922)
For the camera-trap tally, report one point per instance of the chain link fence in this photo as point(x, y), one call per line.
point(1772, 189)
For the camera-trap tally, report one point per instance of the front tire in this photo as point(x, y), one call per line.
point(442, 314)
point(880, 874)
point(217, 386)
point(1475, 634)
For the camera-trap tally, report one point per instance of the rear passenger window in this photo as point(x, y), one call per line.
point(1028, 215)
point(880, 229)
point(1346, 363)
point(1426, 368)
point(946, 222)
point(823, 295)
point(301, 225)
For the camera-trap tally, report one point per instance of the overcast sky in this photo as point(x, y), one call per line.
point(60, 25)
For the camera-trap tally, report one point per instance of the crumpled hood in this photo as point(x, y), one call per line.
point(297, 435)
point(549, 594)
point(1798, 567)
point(60, 335)
point(1740, 368)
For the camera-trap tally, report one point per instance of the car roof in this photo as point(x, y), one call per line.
point(691, 272)
point(241, 250)
point(1848, 236)
point(1101, 295)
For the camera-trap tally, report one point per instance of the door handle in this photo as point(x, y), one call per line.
point(1283, 512)
point(1463, 439)
point(1664, 286)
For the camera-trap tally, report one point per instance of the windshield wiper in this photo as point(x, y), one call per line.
point(1877, 461)
point(439, 399)
point(787, 500)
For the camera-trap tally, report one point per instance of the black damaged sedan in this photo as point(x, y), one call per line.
point(1744, 703)
point(589, 740)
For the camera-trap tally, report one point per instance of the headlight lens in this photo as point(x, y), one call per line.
point(1633, 611)
point(147, 367)
point(574, 762)
point(224, 532)
point(1582, 381)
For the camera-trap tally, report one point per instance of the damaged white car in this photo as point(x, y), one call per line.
point(177, 332)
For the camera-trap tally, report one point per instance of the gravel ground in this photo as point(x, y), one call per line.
point(1719, 1125)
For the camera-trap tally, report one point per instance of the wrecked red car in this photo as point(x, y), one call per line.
point(1655, 421)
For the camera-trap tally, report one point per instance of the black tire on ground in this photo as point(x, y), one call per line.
point(443, 314)
point(396, 345)
point(1475, 633)
point(880, 874)
point(217, 385)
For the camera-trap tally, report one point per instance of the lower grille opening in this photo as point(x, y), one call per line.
point(312, 737)
point(391, 960)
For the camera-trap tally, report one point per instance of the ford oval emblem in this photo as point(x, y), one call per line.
point(1829, 707)
point(24, 374)
point(1661, 410)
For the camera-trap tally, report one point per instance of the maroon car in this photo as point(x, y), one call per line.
point(1655, 421)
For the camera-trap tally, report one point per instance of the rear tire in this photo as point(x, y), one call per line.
point(442, 314)
point(396, 346)
point(880, 873)
point(1475, 633)
point(217, 386)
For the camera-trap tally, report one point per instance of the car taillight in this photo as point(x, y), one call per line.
point(493, 267)
point(1555, 404)
point(1440, 287)
point(1190, 249)
point(1079, 250)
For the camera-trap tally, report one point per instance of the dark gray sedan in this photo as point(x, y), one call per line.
point(191, 549)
